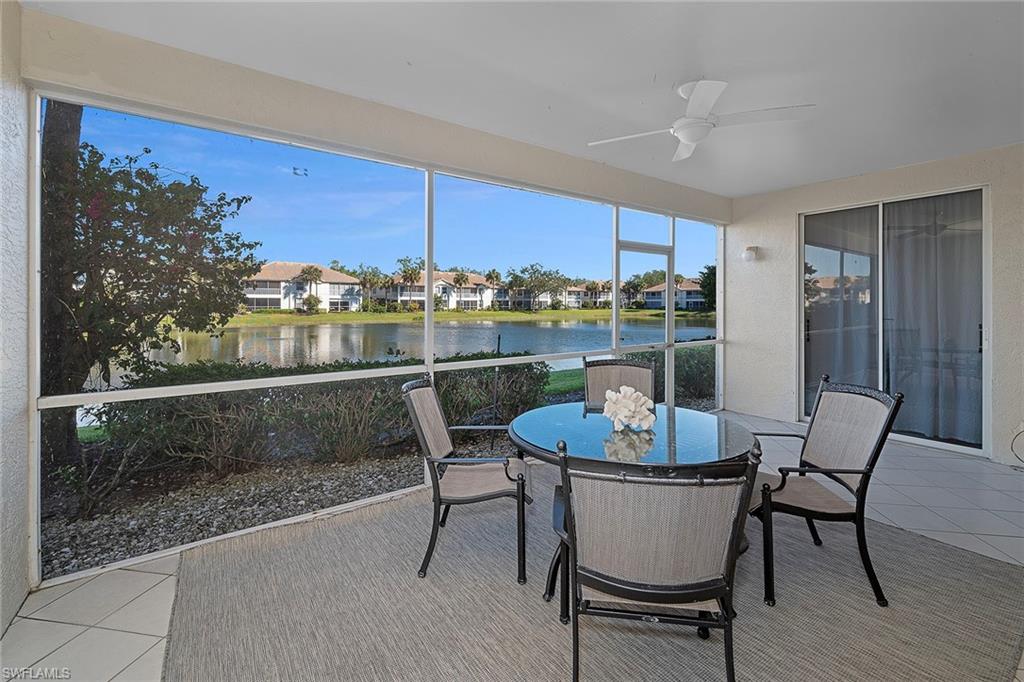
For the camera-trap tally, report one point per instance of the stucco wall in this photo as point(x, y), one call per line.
point(762, 355)
point(66, 53)
point(14, 549)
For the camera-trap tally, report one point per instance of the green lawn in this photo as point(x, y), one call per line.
point(291, 318)
point(564, 381)
point(91, 434)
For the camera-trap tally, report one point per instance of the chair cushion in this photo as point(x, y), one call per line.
point(467, 481)
point(801, 492)
point(599, 598)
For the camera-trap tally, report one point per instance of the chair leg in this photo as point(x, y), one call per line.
point(810, 527)
point(444, 515)
point(575, 641)
point(556, 562)
point(730, 669)
point(703, 631)
point(769, 554)
point(563, 608)
point(433, 538)
point(521, 528)
point(862, 545)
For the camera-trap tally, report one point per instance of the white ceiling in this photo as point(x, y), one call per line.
point(895, 83)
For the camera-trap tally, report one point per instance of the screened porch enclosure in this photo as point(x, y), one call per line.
point(257, 323)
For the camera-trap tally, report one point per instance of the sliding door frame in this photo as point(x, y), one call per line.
point(986, 315)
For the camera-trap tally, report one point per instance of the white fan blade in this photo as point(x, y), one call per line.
point(740, 118)
point(684, 150)
point(629, 137)
point(703, 98)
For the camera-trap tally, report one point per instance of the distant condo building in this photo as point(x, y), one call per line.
point(279, 286)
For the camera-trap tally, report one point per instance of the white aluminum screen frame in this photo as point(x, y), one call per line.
point(38, 402)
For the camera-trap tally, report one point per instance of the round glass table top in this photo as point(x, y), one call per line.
point(685, 437)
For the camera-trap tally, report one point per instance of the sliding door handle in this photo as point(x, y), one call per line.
point(981, 338)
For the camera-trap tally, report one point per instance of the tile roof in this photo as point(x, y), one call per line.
point(447, 277)
point(281, 270)
point(686, 284)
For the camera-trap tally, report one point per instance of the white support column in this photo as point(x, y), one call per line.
point(615, 280)
point(428, 276)
point(670, 317)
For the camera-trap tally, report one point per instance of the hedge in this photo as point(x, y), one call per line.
point(233, 430)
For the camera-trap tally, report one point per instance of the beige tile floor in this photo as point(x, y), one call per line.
point(113, 626)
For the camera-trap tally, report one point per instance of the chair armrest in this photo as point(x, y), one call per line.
point(468, 460)
point(445, 461)
point(767, 434)
point(481, 427)
point(818, 470)
point(786, 471)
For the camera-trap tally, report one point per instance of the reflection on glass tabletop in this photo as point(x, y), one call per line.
point(688, 437)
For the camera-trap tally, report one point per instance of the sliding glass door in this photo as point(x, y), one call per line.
point(929, 311)
point(932, 328)
point(840, 298)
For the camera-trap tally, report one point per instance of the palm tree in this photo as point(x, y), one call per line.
point(310, 275)
point(459, 279)
point(370, 278)
point(409, 272)
point(492, 277)
point(631, 287)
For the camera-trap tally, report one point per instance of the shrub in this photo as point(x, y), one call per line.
point(311, 304)
point(556, 304)
point(694, 372)
point(234, 430)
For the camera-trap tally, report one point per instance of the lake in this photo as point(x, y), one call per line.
point(286, 345)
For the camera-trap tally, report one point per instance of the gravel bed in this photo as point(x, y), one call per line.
point(202, 508)
point(209, 508)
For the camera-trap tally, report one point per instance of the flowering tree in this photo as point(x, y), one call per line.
point(130, 252)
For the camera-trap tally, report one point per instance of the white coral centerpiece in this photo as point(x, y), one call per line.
point(628, 445)
point(628, 407)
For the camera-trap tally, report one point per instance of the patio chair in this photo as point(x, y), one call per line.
point(848, 427)
point(655, 543)
point(457, 480)
point(604, 375)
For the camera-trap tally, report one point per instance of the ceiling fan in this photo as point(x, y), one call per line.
point(698, 121)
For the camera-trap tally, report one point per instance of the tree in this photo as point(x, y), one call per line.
point(515, 282)
point(311, 304)
point(337, 266)
point(492, 277)
point(708, 285)
point(460, 279)
point(370, 278)
point(409, 272)
point(812, 287)
point(632, 287)
point(310, 274)
point(130, 254)
point(537, 281)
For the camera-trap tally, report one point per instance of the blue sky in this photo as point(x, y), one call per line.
point(316, 207)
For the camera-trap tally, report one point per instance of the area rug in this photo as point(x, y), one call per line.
point(338, 599)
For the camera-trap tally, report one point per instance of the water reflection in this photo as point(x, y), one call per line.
point(286, 345)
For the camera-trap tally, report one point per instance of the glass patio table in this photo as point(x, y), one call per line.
point(681, 436)
point(684, 437)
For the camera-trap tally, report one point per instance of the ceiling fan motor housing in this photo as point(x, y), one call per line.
point(692, 131)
